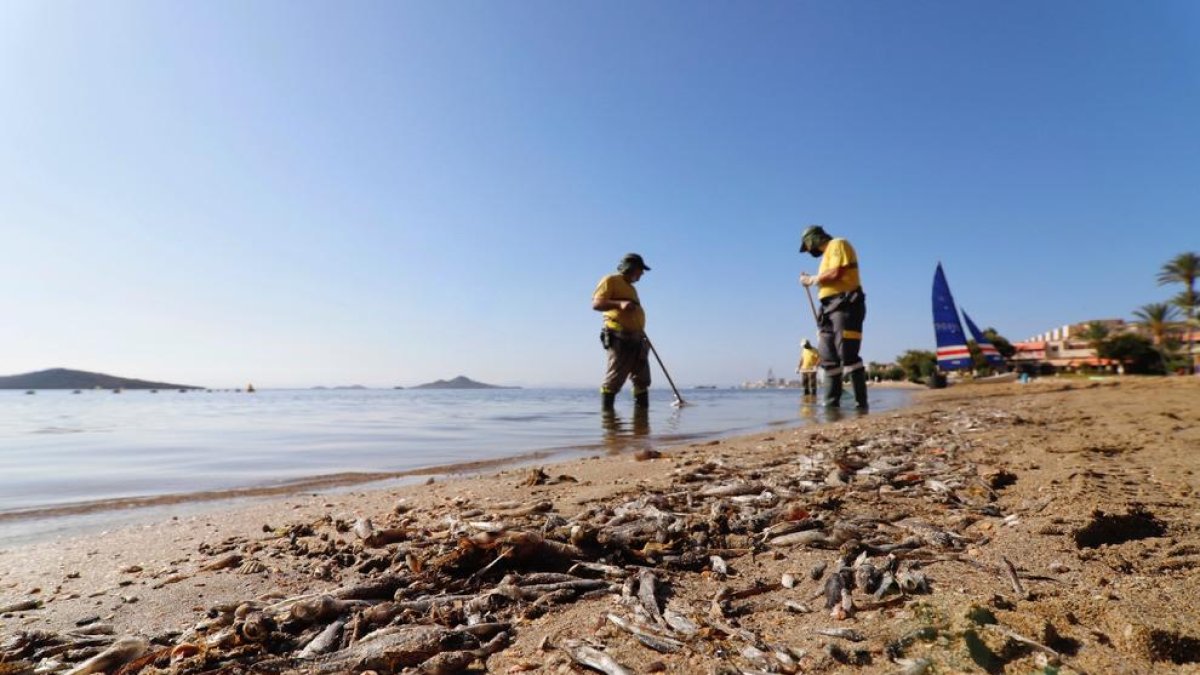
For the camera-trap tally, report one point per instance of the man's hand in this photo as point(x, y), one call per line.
point(807, 279)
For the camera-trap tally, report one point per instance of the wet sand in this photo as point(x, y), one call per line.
point(1062, 467)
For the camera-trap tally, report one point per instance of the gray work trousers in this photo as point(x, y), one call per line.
point(841, 321)
point(628, 358)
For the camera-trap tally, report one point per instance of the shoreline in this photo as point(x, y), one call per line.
point(155, 504)
point(1049, 458)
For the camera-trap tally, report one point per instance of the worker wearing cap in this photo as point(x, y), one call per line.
point(623, 334)
point(808, 367)
point(843, 309)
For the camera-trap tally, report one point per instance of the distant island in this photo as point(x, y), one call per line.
point(460, 382)
point(64, 378)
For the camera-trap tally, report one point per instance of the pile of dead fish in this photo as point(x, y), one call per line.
point(438, 592)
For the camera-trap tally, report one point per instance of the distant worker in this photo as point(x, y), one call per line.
point(623, 334)
point(843, 309)
point(808, 368)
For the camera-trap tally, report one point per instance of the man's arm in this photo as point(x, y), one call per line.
point(602, 304)
point(824, 277)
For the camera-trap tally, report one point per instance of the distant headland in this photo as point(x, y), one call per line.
point(64, 378)
point(460, 382)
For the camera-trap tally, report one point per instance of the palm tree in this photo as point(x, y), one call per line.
point(1183, 269)
point(1094, 334)
point(1156, 318)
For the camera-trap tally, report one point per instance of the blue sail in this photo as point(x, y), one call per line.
point(986, 348)
point(952, 352)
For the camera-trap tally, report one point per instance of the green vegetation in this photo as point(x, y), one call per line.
point(917, 364)
point(1183, 269)
point(1135, 352)
point(885, 371)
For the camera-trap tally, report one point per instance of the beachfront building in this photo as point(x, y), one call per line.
point(772, 382)
point(1065, 350)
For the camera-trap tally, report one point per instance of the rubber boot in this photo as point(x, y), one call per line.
point(858, 378)
point(833, 391)
point(641, 399)
point(607, 400)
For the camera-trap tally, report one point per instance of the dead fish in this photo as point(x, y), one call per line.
point(393, 648)
point(867, 578)
point(719, 567)
point(231, 560)
point(123, 651)
point(593, 658)
point(658, 643)
point(324, 641)
point(843, 633)
point(21, 606)
point(797, 607)
point(913, 666)
point(732, 490)
point(805, 538)
point(648, 595)
point(756, 656)
point(817, 571)
point(838, 582)
point(680, 623)
point(365, 530)
point(322, 608)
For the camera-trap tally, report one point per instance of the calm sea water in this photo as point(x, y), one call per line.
point(64, 449)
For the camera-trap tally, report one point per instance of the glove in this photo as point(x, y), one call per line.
point(807, 279)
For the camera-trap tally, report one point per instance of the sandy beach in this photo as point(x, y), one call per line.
point(988, 528)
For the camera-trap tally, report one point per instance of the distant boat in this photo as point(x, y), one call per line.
point(952, 351)
point(250, 389)
point(27, 393)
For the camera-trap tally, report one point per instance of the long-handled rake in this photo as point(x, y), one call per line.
point(679, 402)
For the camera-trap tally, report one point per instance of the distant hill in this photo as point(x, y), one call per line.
point(460, 382)
point(63, 378)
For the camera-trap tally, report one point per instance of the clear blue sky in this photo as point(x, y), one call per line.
point(382, 193)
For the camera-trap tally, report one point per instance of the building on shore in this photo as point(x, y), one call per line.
point(772, 382)
point(1064, 349)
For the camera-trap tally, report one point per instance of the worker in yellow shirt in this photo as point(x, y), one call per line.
point(843, 309)
point(808, 368)
point(623, 334)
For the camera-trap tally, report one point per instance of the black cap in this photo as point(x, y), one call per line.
point(812, 237)
point(630, 260)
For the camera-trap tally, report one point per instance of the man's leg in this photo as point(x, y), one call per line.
point(640, 374)
point(848, 325)
point(615, 373)
point(831, 365)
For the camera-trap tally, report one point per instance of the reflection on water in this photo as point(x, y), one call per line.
point(621, 434)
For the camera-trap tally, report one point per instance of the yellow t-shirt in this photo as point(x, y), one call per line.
point(615, 287)
point(839, 253)
point(809, 359)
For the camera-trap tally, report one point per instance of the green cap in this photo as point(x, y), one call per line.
point(812, 238)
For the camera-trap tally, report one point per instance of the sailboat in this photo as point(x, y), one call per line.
point(952, 350)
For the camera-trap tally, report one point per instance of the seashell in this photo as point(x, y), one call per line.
point(252, 567)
